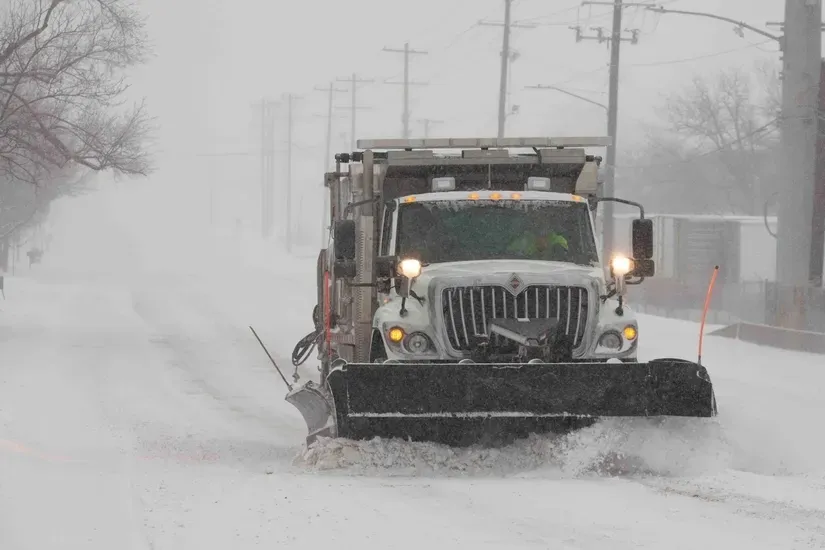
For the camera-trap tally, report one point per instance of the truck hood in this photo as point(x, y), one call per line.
point(500, 271)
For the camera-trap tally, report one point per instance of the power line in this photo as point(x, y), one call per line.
point(699, 57)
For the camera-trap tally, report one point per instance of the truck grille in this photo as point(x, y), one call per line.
point(466, 310)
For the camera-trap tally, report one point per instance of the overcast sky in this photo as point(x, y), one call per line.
point(215, 58)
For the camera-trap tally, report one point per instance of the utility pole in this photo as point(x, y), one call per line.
point(405, 117)
point(353, 82)
point(801, 60)
point(615, 40)
point(505, 60)
point(290, 98)
point(818, 222)
point(331, 91)
point(267, 158)
point(426, 122)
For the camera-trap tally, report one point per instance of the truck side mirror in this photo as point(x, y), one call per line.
point(642, 237)
point(385, 266)
point(344, 238)
point(643, 268)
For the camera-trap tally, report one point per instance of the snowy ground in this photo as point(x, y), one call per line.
point(137, 411)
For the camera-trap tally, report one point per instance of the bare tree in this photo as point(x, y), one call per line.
point(717, 151)
point(62, 88)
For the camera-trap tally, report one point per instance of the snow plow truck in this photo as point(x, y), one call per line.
point(463, 298)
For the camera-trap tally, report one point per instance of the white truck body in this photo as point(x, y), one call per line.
point(549, 289)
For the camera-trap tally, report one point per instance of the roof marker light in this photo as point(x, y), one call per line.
point(535, 183)
point(443, 184)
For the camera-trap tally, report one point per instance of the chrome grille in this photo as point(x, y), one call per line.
point(466, 310)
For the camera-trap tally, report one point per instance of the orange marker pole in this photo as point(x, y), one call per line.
point(327, 310)
point(705, 311)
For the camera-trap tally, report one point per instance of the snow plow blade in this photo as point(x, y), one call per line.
point(464, 404)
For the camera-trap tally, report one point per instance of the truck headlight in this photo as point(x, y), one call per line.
point(621, 266)
point(611, 340)
point(409, 268)
point(418, 342)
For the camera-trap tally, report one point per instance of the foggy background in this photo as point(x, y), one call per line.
point(215, 59)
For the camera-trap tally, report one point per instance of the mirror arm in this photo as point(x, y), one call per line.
point(348, 209)
point(624, 201)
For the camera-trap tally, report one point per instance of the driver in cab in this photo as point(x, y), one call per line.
point(541, 244)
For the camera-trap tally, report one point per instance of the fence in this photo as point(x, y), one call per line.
point(761, 302)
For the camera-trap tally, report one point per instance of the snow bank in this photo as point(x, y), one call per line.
point(614, 447)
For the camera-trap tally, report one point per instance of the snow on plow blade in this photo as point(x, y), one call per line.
point(462, 404)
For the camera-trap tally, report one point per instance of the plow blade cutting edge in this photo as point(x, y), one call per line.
point(464, 404)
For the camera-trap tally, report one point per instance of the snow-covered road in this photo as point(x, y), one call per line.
point(139, 412)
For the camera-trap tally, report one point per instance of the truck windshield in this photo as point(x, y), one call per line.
point(455, 231)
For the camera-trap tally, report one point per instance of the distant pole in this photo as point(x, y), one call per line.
point(612, 128)
point(331, 91)
point(264, 187)
point(427, 122)
point(505, 60)
point(615, 40)
point(289, 175)
point(267, 166)
point(405, 116)
point(353, 81)
point(353, 109)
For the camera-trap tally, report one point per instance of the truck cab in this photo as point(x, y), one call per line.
point(480, 255)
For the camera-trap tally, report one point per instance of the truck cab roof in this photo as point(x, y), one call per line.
point(408, 167)
point(491, 195)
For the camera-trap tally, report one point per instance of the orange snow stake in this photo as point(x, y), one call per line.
point(327, 312)
point(705, 311)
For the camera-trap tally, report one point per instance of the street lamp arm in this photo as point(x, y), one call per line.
point(659, 9)
point(577, 96)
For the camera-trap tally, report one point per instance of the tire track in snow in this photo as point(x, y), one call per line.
point(808, 518)
point(211, 360)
